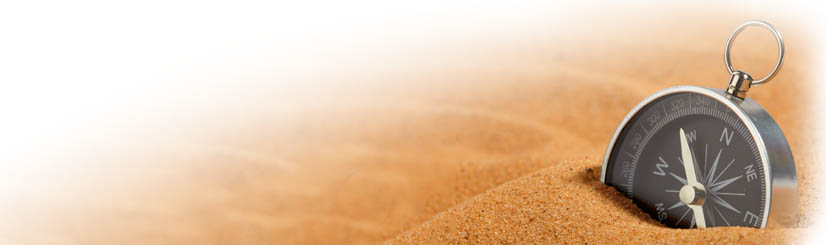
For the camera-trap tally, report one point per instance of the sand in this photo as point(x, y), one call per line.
point(487, 136)
point(566, 202)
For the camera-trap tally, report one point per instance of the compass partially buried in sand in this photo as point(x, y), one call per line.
point(699, 157)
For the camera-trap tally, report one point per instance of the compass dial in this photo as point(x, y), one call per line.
point(646, 163)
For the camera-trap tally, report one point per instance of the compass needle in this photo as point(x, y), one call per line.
point(692, 193)
point(690, 175)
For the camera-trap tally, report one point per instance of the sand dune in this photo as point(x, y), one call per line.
point(566, 202)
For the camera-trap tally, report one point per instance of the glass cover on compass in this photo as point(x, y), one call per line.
point(648, 165)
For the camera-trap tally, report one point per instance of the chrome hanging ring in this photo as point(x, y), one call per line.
point(780, 48)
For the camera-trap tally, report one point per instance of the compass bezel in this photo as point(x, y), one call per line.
point(775, 153)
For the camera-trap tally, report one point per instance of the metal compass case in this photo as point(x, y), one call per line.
point(700, 157)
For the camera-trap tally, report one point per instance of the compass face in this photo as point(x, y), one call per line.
point(646, 162)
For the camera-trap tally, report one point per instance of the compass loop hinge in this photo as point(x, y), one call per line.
point(739, 84)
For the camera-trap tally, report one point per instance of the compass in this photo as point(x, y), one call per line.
point(700, 157)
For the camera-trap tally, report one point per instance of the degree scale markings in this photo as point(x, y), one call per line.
point(714, 173)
